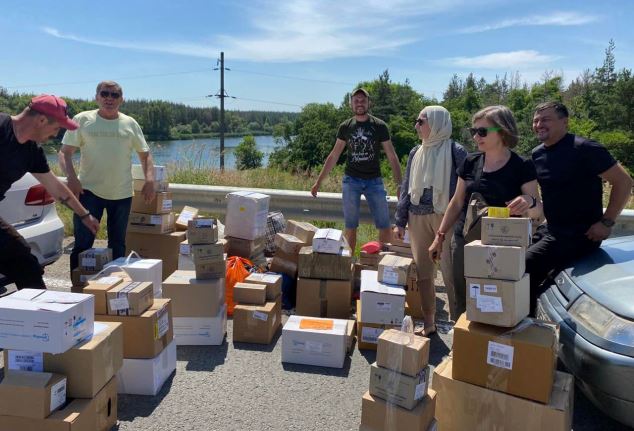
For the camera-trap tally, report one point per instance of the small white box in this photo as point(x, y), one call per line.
point(200, 331)
point(322, 347)
point(160, 173)
point(147, 376)
point(140, 269)
point(328, 241)
point(381, 303)
point(45, 320)
point(246, 215)
point(185, 258)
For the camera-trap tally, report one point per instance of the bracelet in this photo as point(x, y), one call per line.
point(84, 216)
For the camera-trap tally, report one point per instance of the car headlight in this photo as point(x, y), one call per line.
point(602, 322)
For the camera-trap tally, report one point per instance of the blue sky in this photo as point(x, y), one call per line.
point(167, 49)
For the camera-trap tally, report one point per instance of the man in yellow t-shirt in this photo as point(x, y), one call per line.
point(106, 139)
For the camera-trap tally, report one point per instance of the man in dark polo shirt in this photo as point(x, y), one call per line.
point(19, 154)
point(570, 171)
point(363, 136)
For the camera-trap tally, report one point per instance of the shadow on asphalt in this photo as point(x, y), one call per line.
point(202, 358)
point(368, 355)
point(133, 406)
point(324, 371)
point(253, 347)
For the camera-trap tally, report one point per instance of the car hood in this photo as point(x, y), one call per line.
point(607, 275)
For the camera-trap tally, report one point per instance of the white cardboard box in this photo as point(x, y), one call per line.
point(185, 258)
point(142, 270)
point(246, 215)
point(321, 347)
point(200, 331)
point(147, 376)
point(45, 320)
point(328, 241)
point(381, 303)
point(160, 173)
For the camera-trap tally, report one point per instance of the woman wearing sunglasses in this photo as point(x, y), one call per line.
point(429, 182)
point(498, 174)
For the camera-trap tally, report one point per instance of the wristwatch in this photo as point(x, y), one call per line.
point(84, 216)
point(534, 204)
point(607, 222)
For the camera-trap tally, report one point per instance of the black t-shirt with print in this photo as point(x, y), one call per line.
point(363, 143)
point(17, 159)
point(568, 175)
point(497, 187)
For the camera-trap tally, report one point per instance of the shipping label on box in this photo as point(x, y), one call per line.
point(273, 283)
point(328, 241)
point(161, 204)
point(202, 231)
point(324, 265)
point(314, 341)
point(288, 244)
point(94, 259)
point(498, 302)
point(130, 299)
point(247, 293)
point(256, 323)
point(100, 286)
point(324, 298)
point(151, 223)
point(368, 333)
point(207, 253)
point(32, 394)
point(399, 389)
point(494, 261)
point(394, 269)
point(246, 215)
point(302, 230)
point(512, 231)
point(160, 173)
point(378, 414)
point(402, 352)
point(381, 303)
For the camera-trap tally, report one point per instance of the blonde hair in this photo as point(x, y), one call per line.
point(502, 117)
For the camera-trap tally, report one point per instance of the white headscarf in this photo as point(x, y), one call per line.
point(431, 165)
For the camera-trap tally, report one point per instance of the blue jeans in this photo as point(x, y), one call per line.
point(375, 195)
point(118, 212)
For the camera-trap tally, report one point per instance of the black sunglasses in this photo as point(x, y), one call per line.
point(420, 121)
point(483, 131)
point(113, 94)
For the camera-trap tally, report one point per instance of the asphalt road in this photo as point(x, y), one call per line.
point(239, 386)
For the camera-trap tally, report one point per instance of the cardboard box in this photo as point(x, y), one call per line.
point(160, 172)
point(512, 231)
point(324, 298)
point(288, 243)
point(520, 361)
point(492, 410)
point(246, 215)
point(145, 336)
point(304, 231)
point(498, 302)
point(32, 394)
point(379, 415)
point(256, 323)
point(192, 297)
point(328, 241)
point(142, 269)
point(207, 253)
point(45, 320)
point(79, 279)
point(380, 302)
point(147, 376)
point(185, 257)
point(314, 341)
point(202, 231)
point(94, 259)
point(394, 269)
point(130, 299)
point(159, 186)
point(186, 214)
point(325, 266)
point(402, 352)
point(96, 414)
point(248, 293)
point(273, 283)
point(99, 287)
point(201, 331)
point(494, 261)
point(281, 265)
point(400, 250)
point(244, 247)
point(157, 246)
point(161, 204)
point(211, 270)
point(351, 331)
point(151, 223)
point(399, 389)
point(368, 333)
point(413, 301)
point(100, 357)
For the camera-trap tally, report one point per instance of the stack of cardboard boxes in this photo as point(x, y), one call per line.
point(245, 225)
point(399, 396)
point(136, 268)
point(56, 378)
point(208, 254)
point(257, 315)
point(413, 304)
point(503, 364)
point(185, 256)
point(90, 262)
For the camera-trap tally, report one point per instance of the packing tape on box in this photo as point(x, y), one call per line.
point(499, 212)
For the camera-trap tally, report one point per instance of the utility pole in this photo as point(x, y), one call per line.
point(221, 95)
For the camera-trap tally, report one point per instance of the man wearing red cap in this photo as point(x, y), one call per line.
point(20, 153)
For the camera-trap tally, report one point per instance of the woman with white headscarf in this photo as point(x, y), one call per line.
point(428, 185)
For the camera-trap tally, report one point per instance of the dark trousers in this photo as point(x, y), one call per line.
point(118, 212)
point(16, 261)
point(460, 284)
point(551, 253)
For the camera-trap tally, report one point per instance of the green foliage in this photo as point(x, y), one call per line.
point(247, 154)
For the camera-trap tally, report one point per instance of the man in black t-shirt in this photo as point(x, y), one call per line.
point(19, 154)
point(363, 136)
point(570, 171)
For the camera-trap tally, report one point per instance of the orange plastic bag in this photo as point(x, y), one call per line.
point(236, 272)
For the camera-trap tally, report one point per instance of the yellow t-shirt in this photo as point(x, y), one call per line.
point(106, 148)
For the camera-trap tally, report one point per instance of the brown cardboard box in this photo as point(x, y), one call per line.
point(256, 323)
point(368, 333)
point(211, 270)
point(186, 214)
point(100, 358)
point(378, 415)
point(494, 261)
point(192, 297)
point(244, 247)
point(79, 279)
point(520, 361)
point(511, 231)
point(94, 259)
point(325, 266)
point(273, 283)
point(498, 302)
point(202, 231)
point(159, 186)
point(31, 394)
point(157, 246)
point(402, 352)
point(413, 302)
point(96, 414)
point(130, 299)
point(100, 286)
point(208, 253)
point(399, 389)
point(151, 223)
point(302, 230)
point(284, 264)
point(400, 250)
point(324, 298)
point(462, 406)
point(394, 269)
point(287, 243)
point(161, 204)
point(247, 293)
point(351, 330)
point(145, 336)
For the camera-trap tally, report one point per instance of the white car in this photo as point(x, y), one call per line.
point(31, 210)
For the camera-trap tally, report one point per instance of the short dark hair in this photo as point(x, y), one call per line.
point(560, 108)
point(113, 84)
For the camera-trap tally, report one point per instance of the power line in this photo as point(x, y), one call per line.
point(299, 78)
point(267, 101)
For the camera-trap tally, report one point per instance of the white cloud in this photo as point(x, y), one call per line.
point(501, 60)
point(553, 19)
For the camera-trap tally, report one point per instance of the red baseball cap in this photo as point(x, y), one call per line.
point(55, 108)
